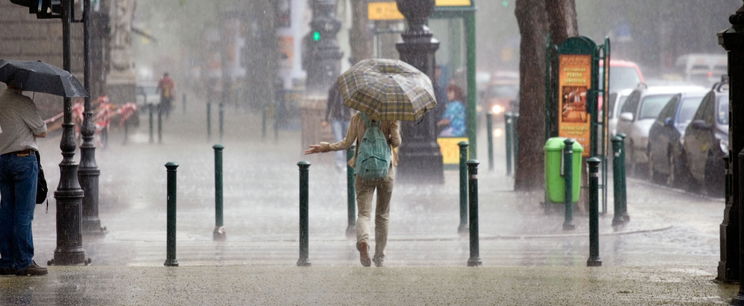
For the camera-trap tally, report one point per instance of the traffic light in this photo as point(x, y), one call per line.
point(316, 35)
point(505, 3)
point(44, 9)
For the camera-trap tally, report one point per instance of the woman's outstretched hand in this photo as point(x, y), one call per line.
point(313, 149)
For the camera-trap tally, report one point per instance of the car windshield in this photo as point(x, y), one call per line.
point(652, 105)
point(623, 78)
point(688, 108)
point(723, 110)
point(503, 91)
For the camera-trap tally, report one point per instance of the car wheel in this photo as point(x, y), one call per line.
point(714, 178)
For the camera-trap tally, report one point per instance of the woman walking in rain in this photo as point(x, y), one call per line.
point(384, 91)
point(365, 188)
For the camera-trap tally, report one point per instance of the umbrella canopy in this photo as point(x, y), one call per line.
point(40, 77)
point(387, 89)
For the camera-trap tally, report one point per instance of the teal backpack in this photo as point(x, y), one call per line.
point(373, 155)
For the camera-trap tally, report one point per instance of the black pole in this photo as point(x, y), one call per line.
point(593, 260)
point(739, 298)
point(69, 194)
point(463, 227)
point(568, 183)
point(219, 223)
point(350, 195)
point(618, 164)
point(88, 172)
point(304, 239)
point(151, 123)
point(209, 120)
point(420, 155)
point(732, 39)
point(170, 259)
point(474, 259)
point(160, 124)
point(489, 135)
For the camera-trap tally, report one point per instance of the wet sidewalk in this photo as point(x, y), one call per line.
point(670, 244)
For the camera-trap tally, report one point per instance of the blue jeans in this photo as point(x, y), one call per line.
point(339, 128)
point(18, 179)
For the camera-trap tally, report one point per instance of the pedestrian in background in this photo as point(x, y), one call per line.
point(365, 188)
point(453, 118)
point(166, 88)
point(338, 116)
point(19, 170)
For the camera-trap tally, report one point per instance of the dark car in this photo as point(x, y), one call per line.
point(706, 141)
point(665, 137)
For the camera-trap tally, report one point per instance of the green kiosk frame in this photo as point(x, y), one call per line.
point(564, 73)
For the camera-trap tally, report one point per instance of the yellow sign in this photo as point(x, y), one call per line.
point(388, 10)
point(453, 3)
point(574, 82)
point(383, 11)
point(450, 149)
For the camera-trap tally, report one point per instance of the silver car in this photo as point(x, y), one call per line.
point(617, 100)
point(637, 116)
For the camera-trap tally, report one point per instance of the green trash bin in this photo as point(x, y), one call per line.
point(554, 183)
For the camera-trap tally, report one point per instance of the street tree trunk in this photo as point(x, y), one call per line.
point(536, 19)
point(360, 37)
point(562, 20)
point(533, 28)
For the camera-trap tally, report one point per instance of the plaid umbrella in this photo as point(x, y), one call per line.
point(387, 89)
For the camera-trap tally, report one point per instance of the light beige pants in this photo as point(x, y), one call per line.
point(364, 191)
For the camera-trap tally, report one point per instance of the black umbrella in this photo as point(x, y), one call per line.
point(40, 77)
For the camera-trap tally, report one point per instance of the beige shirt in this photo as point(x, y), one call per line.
point(390, 129)
point(20, 121)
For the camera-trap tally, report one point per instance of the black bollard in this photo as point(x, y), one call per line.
point(170, 260)
point(160, 125)
point(474, 259)
point(489, 135)
point(209, 120)
point(624, 189)
point(152, 123)
point(126, 132)
point(618, 181)
point(350, 196)
point(593, 260)
point(568, 184)
point(463, 227)
point(219, 224)
point(508, 136)
point(304, 238)
point(222, 121)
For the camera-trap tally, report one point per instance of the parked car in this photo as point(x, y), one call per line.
point(638, 114)
point(665, 138)
point(617, 100)
point(625, 75)
point(706, 141)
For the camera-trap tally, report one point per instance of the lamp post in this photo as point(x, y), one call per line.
point(732, 39)
point(69, 195)
point(420, 157)
point(88, 172)
point(323, 60)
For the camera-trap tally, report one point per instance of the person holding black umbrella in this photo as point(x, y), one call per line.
point(21, 124)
